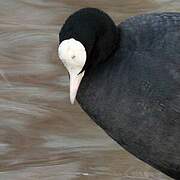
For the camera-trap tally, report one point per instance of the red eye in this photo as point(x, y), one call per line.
point(73, 56)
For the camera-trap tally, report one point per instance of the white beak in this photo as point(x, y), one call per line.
point(75, 80)
point(73, 55)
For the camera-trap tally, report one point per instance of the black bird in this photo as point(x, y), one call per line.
point(129, 80)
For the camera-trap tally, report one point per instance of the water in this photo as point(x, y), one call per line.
point(42, 136)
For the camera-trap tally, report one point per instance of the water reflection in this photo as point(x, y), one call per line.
point(41, 135)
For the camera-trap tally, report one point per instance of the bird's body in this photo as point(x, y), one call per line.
point(135, 94)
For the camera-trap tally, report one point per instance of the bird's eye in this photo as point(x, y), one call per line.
point(73, 56)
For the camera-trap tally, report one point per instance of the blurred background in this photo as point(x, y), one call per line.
point(42, 136)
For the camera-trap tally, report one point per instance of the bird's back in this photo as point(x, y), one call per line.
point(150, 30)
point(135, 95)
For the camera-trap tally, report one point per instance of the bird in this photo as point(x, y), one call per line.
point(126, 77)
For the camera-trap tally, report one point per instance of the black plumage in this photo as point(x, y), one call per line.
point(131, 86)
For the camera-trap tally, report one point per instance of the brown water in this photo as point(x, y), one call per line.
point(42, 136)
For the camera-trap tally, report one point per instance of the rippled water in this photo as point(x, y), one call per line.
point(41, 135)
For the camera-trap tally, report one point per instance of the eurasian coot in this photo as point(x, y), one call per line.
point(129, 80)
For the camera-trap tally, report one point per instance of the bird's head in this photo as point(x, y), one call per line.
point(87, 38)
